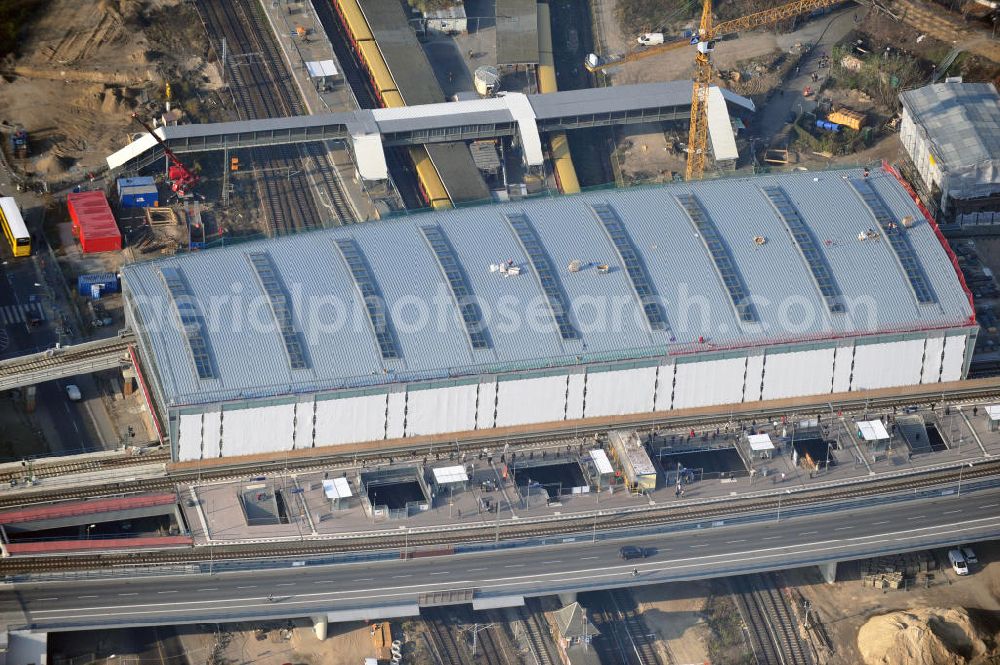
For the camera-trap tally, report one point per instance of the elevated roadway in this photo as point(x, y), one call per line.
point(398, 587)
point(64, 362)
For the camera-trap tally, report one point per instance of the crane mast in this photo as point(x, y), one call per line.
point(708, 32)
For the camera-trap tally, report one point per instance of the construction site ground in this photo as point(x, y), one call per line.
point(84, 67)
point(845, 606)
point(277, 643)
point(649, 153)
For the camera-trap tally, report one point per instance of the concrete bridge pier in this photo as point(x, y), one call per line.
point(567, 598)
point(828, 571)
point(320, 623)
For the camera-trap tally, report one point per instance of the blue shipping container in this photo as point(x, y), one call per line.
point(145, 196)
point(142, 181)
point(106, 282)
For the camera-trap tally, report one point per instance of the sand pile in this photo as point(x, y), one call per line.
point(926, 636)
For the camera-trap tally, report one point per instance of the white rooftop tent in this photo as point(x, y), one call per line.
point(602, 462)
point(447, 475)
point(993, 411)
point(337, 489)
point(872, 430)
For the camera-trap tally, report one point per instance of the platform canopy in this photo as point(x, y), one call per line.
point(450, 474)
point(760, 442)
point(993, 411)
point(601, 461)
point(321, 68)
point(872, 430)
point(337, 488)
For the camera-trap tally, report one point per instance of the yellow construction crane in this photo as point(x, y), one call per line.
point(704, 43)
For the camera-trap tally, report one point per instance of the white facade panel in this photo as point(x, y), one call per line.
point(754, 378)
point(888, 364)
point(350, 419)
point(211, 435)
point(525, 401)
point(843, 362)
point(954, 358)
point(439, 410)
point(260, 430)
point(709, 382)
point(396, 414)
point(933, 350)
point(664, 387)
point(486, 406)
point(189, 438)
point(620, 392)
point(574, 396)
point(304, 412)
point(798, 373)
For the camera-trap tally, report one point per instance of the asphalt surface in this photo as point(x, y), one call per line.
point(713, 552)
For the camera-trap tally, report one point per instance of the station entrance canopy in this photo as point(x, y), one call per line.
point(370, 131)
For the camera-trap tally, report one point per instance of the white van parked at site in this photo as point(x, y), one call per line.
point(958, 562)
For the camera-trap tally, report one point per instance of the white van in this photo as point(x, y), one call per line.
point(958, 562)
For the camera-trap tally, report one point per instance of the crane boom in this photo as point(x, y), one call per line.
point(595, 63)
point(180, 175)
point(768, 16)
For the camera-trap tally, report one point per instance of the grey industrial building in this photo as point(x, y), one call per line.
point(610, 303)
point(951, 132)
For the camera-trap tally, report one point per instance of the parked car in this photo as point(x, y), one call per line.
point(958, 562)
point(970, 556)
point(632, 552)
point(73, 392)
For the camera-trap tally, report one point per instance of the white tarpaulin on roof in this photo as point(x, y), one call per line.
point(720, 129)
point(760, 442)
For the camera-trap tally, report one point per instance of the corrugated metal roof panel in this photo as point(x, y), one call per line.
point(250, 359)
point(961, 120)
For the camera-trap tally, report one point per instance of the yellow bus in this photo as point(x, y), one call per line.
point(13, 227)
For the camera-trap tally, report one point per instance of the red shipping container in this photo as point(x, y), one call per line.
point(93, 222)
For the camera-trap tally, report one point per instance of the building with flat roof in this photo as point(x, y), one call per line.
point(608, 303)
point(951, 132)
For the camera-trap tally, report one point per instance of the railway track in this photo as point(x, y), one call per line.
point(769, 621)
point(42, 470)
point(625, 638)
point(536, 635)
point(262, 87)
point(439, 627)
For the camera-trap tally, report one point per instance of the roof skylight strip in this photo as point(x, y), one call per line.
point(371, 295)
point(191, 323)
point(642, 285)
point(275, 291)
point(900, 244)
point(546, 272)
point(724, 265)
point(461, 290)
point(808, 248)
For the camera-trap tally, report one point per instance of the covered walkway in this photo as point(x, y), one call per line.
point(370, 131)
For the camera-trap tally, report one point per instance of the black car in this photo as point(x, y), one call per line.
point(631, 552)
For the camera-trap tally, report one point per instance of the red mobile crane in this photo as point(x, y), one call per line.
point(181, 178)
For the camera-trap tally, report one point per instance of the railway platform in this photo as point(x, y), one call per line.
point(490, 497)
point(311, 45)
